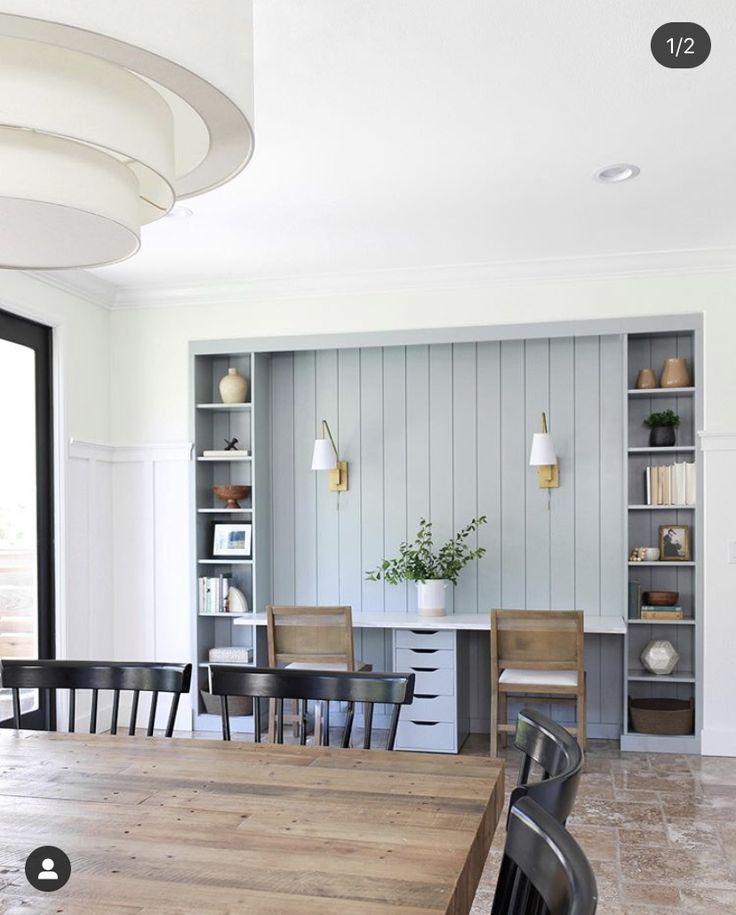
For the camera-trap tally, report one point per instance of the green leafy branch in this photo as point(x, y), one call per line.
point(420, 561)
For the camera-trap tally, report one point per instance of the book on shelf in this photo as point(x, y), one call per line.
point(670, 484)
point(212, 592)
point(661, 613)
point(634, 600)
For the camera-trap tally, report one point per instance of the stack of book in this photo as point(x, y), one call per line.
point(213, 593)
point(670, 484)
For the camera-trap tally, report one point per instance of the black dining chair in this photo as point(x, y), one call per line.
point(319, 685)
point(556, 752)
point(138, 677)
point(544, 871)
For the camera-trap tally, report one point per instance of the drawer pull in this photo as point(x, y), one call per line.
point(424, 631)
point(424, 650)
point(425, 724)
point(429, 670)
point(425, 696)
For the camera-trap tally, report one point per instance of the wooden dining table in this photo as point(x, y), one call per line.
point(155, 825)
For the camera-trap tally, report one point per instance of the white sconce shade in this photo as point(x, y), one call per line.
point(323, 456)
point(543, 451)
point(109, 113)
point(544, 458)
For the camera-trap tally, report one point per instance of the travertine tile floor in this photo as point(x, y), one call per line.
point(660, 830)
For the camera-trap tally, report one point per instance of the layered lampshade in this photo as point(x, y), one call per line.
point(109, 113)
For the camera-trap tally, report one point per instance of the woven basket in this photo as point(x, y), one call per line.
point(236, 705)
point(661, 716)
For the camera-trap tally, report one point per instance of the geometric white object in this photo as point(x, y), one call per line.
point(237, 602)
point(109, 112)
point(660, 657)
point(543, 451)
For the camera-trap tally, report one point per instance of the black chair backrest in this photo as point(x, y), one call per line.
point(324, 686)
point(544, 871)
point(557, 753)
point(96, 675)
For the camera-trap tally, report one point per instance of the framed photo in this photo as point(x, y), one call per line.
point(234, 540)
point(674, 543)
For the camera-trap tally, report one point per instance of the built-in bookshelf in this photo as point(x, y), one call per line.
point(643, 521)
point(214, 423)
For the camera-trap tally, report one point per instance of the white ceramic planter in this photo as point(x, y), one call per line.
point(432, 597)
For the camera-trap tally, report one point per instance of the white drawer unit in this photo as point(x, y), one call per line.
point(430, 723)
point(425, 638)
point(430, 736)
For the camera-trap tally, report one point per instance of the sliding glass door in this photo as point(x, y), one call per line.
point(26, 506)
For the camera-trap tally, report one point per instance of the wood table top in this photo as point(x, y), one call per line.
point(177, 826)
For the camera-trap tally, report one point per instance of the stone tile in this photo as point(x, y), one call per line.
point(600, 843)
point(682, 867)
point(603, 812)
point(654, 834)
point(708, 901)
point(650, 895)
point(692, 833)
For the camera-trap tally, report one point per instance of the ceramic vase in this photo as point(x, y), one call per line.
point(662, 437)
point(675, 373)
point(432, 597)
point(646, 379)
point(233, 387)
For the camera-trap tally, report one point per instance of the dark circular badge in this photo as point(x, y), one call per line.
point(680, 45)
point(48, 868)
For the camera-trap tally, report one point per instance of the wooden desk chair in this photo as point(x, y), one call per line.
point(547, 746)
point(135, 676)
point(544, 871)
point(302, 685)
point(311, 638)
point(538, 653)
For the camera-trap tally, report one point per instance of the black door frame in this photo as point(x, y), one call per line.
point(38, 337)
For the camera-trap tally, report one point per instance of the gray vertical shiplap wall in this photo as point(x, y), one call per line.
point(443, 431)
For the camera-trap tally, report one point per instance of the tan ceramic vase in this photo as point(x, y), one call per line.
point(675, 373)
point(233, 387)
point(646, 379)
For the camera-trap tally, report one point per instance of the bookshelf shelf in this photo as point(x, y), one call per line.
point(224, 460)
point(661, 508)
point(670, 450)
point(224, 407)
point(661, 622)
point(642, 523)
point(661, 392)
point(643, 676)
point(225, 511)
point(223, 616)
point(230, 562)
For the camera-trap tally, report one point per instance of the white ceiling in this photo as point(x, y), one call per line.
point(396, 134)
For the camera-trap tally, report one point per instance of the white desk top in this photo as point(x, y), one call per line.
point(594, 625)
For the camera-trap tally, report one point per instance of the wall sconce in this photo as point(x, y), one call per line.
point(543, 457)
point(325, 457)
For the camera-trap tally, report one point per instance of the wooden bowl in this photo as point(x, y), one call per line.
point(661, 598)
point(231, 494)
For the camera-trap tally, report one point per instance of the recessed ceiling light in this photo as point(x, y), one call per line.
point(613, 174)
point(179, 212)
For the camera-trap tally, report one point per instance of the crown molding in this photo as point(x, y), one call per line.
point(105, 294)
point(79, 283)
point(462, 276)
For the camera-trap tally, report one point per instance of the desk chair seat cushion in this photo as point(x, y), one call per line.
point(312, 665)
point(540, 678)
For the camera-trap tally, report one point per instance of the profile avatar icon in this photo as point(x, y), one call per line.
point(48, 868)
point(48, 872)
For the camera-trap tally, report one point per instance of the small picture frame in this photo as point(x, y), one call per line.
point(233, 540)
point(674, 543)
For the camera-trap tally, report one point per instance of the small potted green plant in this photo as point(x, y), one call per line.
point(662, 428)
point(432, 569)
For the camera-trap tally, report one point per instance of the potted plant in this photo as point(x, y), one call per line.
point(431, 568)
point(662, 428)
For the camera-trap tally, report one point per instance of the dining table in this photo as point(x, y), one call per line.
point(157, 825)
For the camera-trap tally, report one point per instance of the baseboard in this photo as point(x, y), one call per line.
point(596, 731)
point(718, 742)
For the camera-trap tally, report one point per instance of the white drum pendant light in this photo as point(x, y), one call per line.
point(111, 111)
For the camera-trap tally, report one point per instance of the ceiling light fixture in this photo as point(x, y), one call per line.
point(109, 113)
point(179, 212)
point(614, 174)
